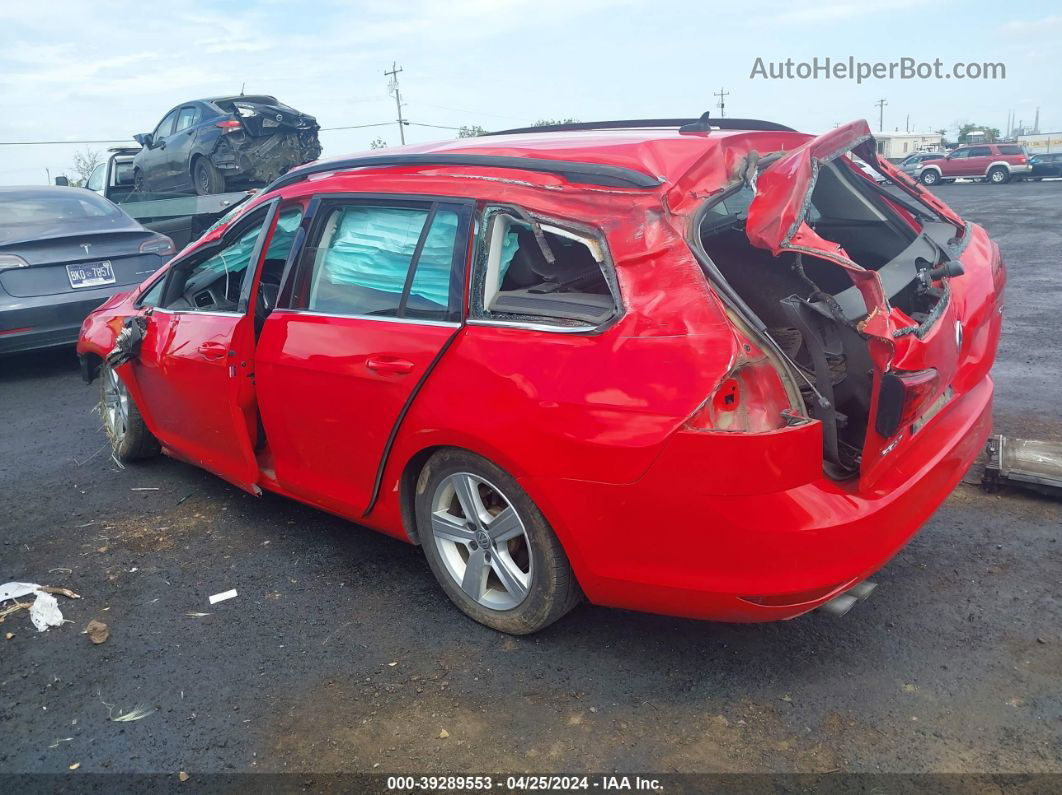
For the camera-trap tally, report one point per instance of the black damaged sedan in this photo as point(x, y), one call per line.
point(63, 252)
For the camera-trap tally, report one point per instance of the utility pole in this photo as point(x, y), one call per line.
point(907, 127)
point(881, 103)
point(722, 93)
point(392, 86)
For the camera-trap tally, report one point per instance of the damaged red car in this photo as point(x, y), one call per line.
point(699, 368)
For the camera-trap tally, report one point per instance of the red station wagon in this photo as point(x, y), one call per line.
point(699, 369)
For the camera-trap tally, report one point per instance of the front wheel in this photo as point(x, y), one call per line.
point(129, 436)
point(489, 546)
point(930, 177)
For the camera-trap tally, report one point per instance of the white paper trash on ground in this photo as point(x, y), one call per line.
point(14, 590)
point(45, 612)
point(221, 597)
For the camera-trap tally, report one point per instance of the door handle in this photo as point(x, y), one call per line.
point(213, 350)
point(389, 365)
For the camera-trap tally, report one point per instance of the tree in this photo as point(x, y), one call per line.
point(377, 143)
point(84, 164)
point(471, 131)
point(551, 122)
point(991, 133)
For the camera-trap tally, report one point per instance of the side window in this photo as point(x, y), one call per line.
point(186, 118)
point(979, 151)
point(211, 281)
point(557, 277)
point(958, 154)
point(95, 180)
point(153, 295)
point(165, 127)
point(389, 261)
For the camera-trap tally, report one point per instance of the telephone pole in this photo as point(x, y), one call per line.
point(722, 93)
point(881, 103)
point(393, 88)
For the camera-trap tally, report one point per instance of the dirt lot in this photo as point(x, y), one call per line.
point(340, 653)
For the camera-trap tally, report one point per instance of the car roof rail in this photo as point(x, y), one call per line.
point(573, 171)
point(701, 124)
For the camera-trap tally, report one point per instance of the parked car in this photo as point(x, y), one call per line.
point(910, 164)
point(645, 364)
point(210, 145)
point(1048, 164)
point(995, 163)
point(63, 252)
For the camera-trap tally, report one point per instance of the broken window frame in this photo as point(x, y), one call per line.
point(590, 236)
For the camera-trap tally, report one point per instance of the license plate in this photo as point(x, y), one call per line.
point(93, 274)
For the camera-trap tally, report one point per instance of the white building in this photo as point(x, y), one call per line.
point(1041, 143)
point(898, 145)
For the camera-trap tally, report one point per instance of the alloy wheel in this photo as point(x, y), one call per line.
point(115, 406)
point(482, 541)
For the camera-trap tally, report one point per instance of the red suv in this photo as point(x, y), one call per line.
point(995, 163)
point(707, 370)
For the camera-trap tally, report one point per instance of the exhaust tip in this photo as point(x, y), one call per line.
point(839, 605)
point(862, 590)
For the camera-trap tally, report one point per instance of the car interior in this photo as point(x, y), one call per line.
point(555, 274)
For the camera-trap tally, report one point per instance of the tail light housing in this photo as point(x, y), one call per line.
point(903, 398)
point(229, 126)
point(749, 399)
point(160, 245)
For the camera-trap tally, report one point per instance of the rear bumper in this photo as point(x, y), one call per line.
point(660, 547)
point(48, 321)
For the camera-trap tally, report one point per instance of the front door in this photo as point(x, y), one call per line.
point(375, 299)
point(977, 161)
point(195, 369)
point(179, 148)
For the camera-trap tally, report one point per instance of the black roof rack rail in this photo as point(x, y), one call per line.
point(586, 173)
point(634, 124)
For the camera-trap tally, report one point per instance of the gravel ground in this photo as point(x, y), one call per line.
point(341, 654)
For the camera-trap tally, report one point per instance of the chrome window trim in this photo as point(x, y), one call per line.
point(529, 326)
point(380, 318)
point(196, 312)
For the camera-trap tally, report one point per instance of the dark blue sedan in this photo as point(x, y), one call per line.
point(1045, 165)
point(63, 252)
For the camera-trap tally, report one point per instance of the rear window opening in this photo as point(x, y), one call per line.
point(556, 275)
point(810, 307)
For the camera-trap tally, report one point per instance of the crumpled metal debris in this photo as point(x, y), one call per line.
point(127, 343)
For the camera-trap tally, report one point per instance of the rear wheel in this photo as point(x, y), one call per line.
point(206, 178)
point(129, 436)
point(489, 546)
point(998, 175)
point(930, 177)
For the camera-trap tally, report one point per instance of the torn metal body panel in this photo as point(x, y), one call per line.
point(1032, 463)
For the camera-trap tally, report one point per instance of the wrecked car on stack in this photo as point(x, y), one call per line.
point(210, 145)
point(705, 369)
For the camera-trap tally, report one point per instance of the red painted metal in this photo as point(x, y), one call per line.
point(611, 432)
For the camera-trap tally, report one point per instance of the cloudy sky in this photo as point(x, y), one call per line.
point(99, 69)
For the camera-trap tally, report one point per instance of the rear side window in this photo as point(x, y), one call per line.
point(186, 118)
point(552, 274)
point(391, 261)
point(1011, 150)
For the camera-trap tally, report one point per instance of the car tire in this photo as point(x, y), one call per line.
point(128, 434)
point(138, 180)
point(521, 581)
point(930, 177)
point(206, 178)
point(998, 176)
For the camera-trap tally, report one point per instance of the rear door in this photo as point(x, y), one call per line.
point(195, 369)
point(375, 299)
